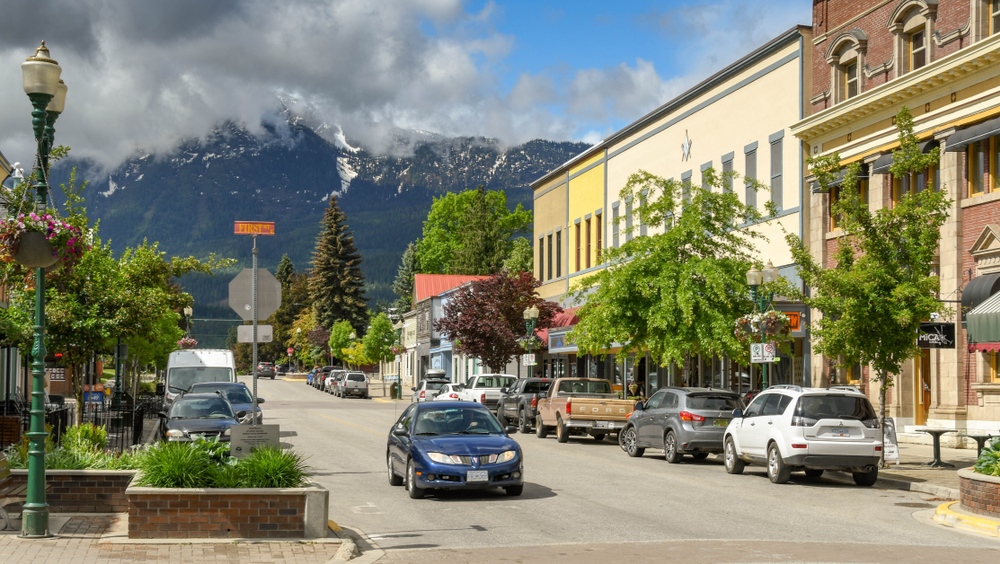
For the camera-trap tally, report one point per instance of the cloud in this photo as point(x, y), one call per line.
point(145, 74)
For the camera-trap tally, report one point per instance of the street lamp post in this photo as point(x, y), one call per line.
point(47, 93)
point(188, 312)
point(761, 301)
point(530, 318)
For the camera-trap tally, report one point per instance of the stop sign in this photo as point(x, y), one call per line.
point(290, 351)
point(241, 294)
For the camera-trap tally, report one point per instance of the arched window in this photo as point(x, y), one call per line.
point(846, 57)
point(912, 23)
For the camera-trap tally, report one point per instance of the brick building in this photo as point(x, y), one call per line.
point(940, 59)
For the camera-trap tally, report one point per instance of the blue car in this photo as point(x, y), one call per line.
point(452, 445)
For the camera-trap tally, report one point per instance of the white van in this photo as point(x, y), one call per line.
point(190, 366)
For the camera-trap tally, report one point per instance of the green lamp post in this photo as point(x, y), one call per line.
point(761, 301)
point(48, 97)
point(530, 318)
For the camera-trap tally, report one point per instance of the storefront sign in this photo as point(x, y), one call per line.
point(936, 336)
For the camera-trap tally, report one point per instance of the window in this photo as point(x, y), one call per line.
point(598, 225)
point(991, 368)
point(642, 204)
point(751, 175)
point(913, 183)
point(578, 243)
point(614, 227)
point(846, 78)
point(558, 254)
point(776, 404)
point(727, 175)
point(776, 194)
point(588, 243)
point(835, 193)
point(541, 258)
point(686, 187)
point(980, 173)
point(917, 49)
point(994, 17)
point(628, 220)
point(550, 259)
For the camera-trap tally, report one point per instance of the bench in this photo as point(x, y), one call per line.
point(9, 492)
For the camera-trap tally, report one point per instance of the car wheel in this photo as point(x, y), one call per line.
point(629, 443)
point(514, 491)
point(670, 448)
point(562, 432)
point(411, 481)
point(733, 464)
point(540, 431)
point(394, 480)
point(813, 473)
point(501, 418)
point(700, 455)
point(866, 479)
point(777, 471)
point(524, 425)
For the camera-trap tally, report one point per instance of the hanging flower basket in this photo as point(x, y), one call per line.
point(771, 322)
point(187, 343)
point(397, 350)
point(40, 241)
point(530, 343)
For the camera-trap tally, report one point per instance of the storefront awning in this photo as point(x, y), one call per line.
point(882, 164)
point(839, 179)
point(978, 290)
point(964, 137)
point(983, 322)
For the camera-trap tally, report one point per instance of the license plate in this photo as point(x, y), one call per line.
point(601, 425)
point(721, 422)
point(477, 476)
point(840, 432)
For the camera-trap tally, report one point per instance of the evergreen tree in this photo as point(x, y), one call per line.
point(285, 271)
point(336, 284)
point(402, 286)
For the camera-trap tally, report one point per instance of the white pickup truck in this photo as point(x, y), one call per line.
point(485, 389)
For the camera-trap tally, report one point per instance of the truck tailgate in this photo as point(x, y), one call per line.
point(600, 409)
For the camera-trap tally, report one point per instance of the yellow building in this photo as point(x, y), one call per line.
point(738, 119)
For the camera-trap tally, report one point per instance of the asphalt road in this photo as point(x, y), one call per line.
point(589, 502)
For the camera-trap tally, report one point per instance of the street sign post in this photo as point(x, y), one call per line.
point(529, 359)
point(245, 302)
point(290, 351)
point(761, 352)
point(244, 334)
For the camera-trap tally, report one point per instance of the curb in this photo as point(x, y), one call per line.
point(971, 523)
point(921, 487)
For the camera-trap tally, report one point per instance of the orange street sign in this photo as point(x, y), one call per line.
point(253, 228)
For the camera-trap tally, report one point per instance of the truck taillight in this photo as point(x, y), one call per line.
point(482, 398)
point(534, 402)
point(569, 406)
point(688, 416)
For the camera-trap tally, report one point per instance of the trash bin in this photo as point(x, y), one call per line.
point(393, 388)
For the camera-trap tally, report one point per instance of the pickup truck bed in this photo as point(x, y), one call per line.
point(581, 406)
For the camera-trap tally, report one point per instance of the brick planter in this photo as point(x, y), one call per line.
point(979, 493)
point(155, 513)
point(79, 491)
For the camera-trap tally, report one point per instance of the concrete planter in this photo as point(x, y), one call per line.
point(155, 513)
point(78, 491)
point(979, 493)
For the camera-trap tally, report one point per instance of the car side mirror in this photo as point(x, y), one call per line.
point(400, 431)
point(162, 415)
point(543, 395)
point(510, 429)
point(639, 406)
point(260, 401)
point(737, 413)
point(504, 390)
point(413, 389)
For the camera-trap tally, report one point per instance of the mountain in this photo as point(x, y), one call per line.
point(188, 199)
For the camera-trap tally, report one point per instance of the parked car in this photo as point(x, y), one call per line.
point(330, 383)
point(452, 445)
point(352, 384)
point(680, 421)
point(789, 428)
point(320, 379)
point(427, 389)
point(449, 392)
point(485, 389)
point(283, 368)
point(205, 414)
point(266, 370)
point(519, 402)
point(583, 406)
point(188, 366)
point(236, 393)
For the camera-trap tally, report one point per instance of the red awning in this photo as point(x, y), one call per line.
point(984, 347)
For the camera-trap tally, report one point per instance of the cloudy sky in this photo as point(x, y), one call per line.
point(143, 74)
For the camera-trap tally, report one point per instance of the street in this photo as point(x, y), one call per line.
point(586, 499)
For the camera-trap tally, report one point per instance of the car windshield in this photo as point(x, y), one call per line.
point(716, 402)
point(834, 407)
point(536, 387)
point(356, 377)
point(495, 381)
point(201, 408)
point(235, 394)
point(585, 387)
point(181, 378)
point(456, 421)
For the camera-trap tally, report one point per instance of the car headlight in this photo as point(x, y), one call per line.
point(176, 434)
point(442, 458)
point(226, 432)
point(506, 456)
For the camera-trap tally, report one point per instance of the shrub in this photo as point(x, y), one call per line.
point(85, 437)
point(271, 467)
point(175, 465)
point(989, 460)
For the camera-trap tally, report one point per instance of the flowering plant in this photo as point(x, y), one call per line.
point(66, 239)
point(529, 342)
point(771, 322)
point(397, 349)
point(187, 343)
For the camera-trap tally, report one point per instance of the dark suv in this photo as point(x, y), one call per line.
point(266, 370)
point(519, 402)
point(680, 421)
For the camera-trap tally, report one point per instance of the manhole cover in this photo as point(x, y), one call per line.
point(915, 505)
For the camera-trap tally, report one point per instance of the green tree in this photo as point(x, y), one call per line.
point(881, 286)
point(379, 339)
point(336, 284)
point(470, 232)
point(342, 336)
point(284, 271)
point(402, 286)
point(678, 292)
point(521, 257)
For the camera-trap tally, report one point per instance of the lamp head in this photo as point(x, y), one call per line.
point(40, 73)
point(770, 273)
point(188, 311)
point(58, 101)
point(753, 276)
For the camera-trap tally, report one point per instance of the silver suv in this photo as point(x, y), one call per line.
point(788, 428)
point(352, 384)
point(427, 389)
point(680, 421)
